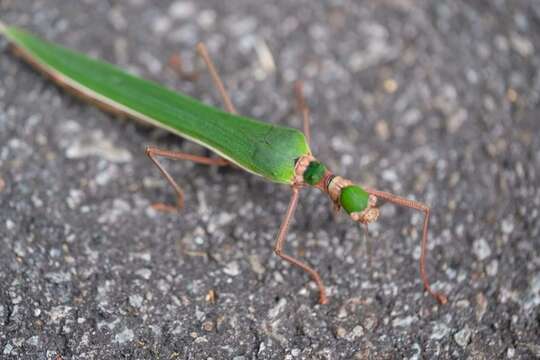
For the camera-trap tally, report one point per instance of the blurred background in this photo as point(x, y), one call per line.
point(436, 101)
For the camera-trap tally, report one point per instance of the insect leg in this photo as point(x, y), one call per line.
point(303, 109)
point(282, 235)
point(203, 52)
point(398, 200)
point(153, 153)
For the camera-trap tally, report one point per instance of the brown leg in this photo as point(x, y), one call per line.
point(153, 153)
point(303, 109)
point(203, 52)
point(176, 63)
point(441, 298)
point(282, 235)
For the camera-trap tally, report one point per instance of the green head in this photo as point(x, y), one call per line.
point(353, 199)
point(359, 204)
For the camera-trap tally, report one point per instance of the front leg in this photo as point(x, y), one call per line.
point(282, 236)
point(398, 200)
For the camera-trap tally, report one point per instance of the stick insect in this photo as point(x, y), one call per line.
point(276, 153)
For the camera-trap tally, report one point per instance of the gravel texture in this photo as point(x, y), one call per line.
point(436, 101)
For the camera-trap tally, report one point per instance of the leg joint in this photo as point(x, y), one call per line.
point(148, 151)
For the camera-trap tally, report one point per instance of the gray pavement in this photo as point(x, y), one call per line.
point(436, 101)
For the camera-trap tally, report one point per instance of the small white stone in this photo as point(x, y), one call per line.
point(201, 339)
point(232, 269)
point(75, 198)
point(262, 348)
point(207, 18)
point(244, 25)
point(33, 341)
point(10, 225)
point(481, 306)
point(417, 351)
point(522, 45)
point(124, 336)
point(439, 332)
point(404, 322)
point(456, 120)
point(145, 256)
point(19, 249)
point(153, 65)
point(117, 19)
point(463, 337)
point(162, 25)
point(507, 226)
point(58, 277)
point(276, 310)
point(95, 144)
point(341, 332)
point(18, 342)
point(256, 265)
point(182, 9)
point(84, 340)
point(411, 117)
point(177, 330)
point(59, 312)
point(356, 332)
point(7, 349)
point(37, 201)
point(144, 273)
point(389, 175)
point(136, 300)
point(492, 268)
point(481, 249)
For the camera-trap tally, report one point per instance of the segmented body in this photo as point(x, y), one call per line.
point(261, 148)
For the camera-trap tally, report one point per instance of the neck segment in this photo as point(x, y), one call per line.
point(356, 201)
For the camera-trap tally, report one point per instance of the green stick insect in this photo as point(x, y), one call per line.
point(276, 153)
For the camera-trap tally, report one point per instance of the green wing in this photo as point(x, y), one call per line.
point(260, 148)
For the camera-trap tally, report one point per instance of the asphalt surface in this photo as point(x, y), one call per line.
point(436, 101)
